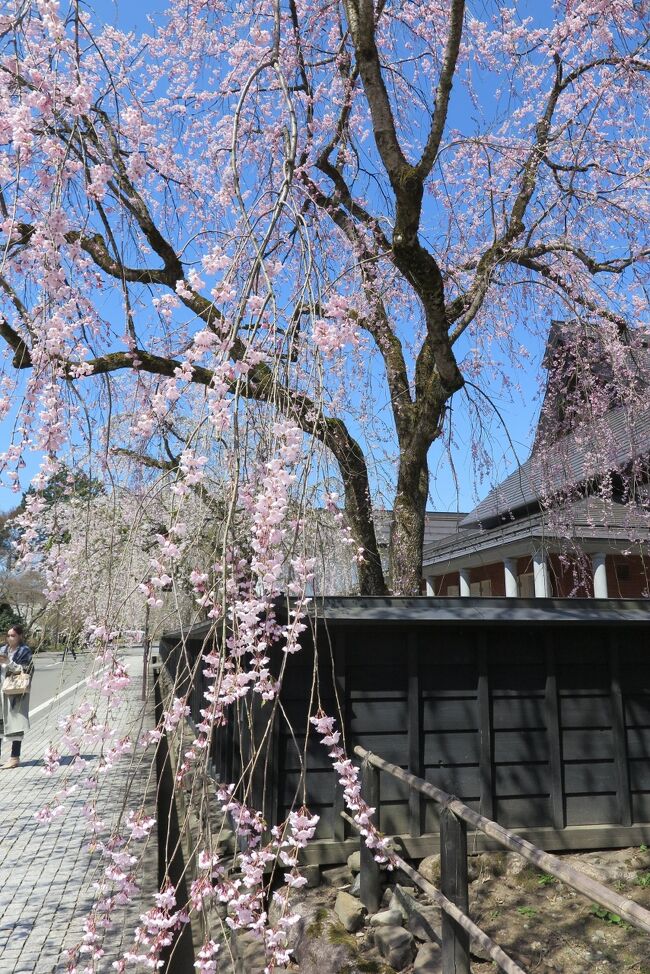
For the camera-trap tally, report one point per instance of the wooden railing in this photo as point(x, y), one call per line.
point(453, 895)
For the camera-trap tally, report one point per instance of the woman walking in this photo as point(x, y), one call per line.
point(15, 658)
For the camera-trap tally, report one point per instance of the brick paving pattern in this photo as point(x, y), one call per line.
point(47, 871)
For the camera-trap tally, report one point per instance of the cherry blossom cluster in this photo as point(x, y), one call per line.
point(349, 778)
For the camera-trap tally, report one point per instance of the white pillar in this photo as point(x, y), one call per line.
point(464, 582)
point(430, 585)
point(600, 576)
point(510, 574)
point(540, 574)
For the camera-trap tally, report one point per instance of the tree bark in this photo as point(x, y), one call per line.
point(407, 530)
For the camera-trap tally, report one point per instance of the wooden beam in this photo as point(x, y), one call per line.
point(370, 890)
point(552, 713)
point(453, 885)
point(342, 694)
point(486, 755)
point(414, 732)
point(623, 795)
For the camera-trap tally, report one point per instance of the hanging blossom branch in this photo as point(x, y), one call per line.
point(349, 777)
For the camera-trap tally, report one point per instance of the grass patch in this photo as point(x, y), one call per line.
point(530, 878)
point(315, 928)
point(337, 934)
point(602, 914)
point(546, 880)
point(527, 911)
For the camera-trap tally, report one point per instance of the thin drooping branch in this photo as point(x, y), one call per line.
point(443, 91)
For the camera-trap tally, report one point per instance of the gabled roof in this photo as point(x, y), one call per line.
point(437, 525)
point(573, 460)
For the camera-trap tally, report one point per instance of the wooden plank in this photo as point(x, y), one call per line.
point(620, 740)
point(590, 778)
point(568, 874)
point(415, 748)
point(453, 885)
point(591, 809)
point(367, 716)
point(595, 744)
point(449, 713)
point(585, 710)
point(486, 760)
point(531, 811)
point(462, 781)
point(340, 663)
point(520, 746)
point(554, 738)
point(521, 780)
point(637, 708)
point(328, 851)
point(442, 748)
point(639, 777)
point(515, 713)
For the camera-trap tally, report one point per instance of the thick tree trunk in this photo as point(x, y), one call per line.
point(358, 506)
point(407, 533)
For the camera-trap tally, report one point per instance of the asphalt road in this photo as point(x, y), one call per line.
point(53, 676)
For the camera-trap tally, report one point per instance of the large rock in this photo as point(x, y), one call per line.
point(349, 911)
point(354, 862)
point(423, 920)
point(396, 946)
point(429, 869)
point(386, 918)
point(312, 875)
point(319, 942)
point(248, 952)
point(428, 960)
point(339, 876)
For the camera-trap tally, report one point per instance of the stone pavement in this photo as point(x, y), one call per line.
point(47, 871)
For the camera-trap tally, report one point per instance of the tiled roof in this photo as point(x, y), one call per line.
point(573, 460)
point(589, 518)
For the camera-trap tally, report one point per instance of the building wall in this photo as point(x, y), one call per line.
point(628, 577)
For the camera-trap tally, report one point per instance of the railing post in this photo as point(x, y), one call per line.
point(370, 873)
point(453, 884)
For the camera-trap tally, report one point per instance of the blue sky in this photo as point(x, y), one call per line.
point(451, 487)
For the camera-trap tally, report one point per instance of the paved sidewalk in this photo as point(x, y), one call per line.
point(46, 871)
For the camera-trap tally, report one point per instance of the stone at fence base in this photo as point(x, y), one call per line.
point(396, 945)
point(386, 918)
point(428, 960)
point(225, 842)
point(312, 875)
point(355, 889)
point(478, 951)
point(429, 869)
point(248, 952)
point(354, 862)
point(422, 919)
point(349, 911)
point(338, 876)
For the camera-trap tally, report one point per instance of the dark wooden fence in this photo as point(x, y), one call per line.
point(453, 896)
point(536, 712)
